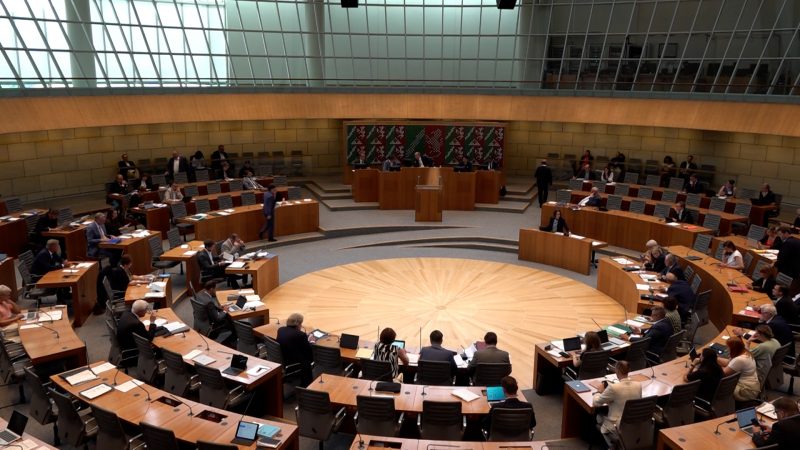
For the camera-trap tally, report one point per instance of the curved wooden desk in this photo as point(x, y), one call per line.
point(52, 340)
point(83, 284)
point(135, 406)
point(463, 298)
point(380, 442)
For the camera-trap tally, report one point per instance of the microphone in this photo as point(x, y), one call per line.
point(191, 411)
point(373, 384)
point(361, 445)
point(420, 339)
point(463, 353)
point(598, 325)
point(716, 430)
point(140, 387)
point(652, 373)
point(86, 355)
point(423, 390)
point(58, 336)
point(277, 320)
point(204, 340)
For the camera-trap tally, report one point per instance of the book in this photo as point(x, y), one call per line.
point(578, 386)
point(465, 395)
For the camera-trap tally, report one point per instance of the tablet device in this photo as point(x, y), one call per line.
point(399, 344)
point(246, 430)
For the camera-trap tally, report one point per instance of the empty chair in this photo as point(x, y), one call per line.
point(178, 380)
point(742, 209)
point(593, 365)
point(214, 391)
point(510, 424)
point(661, 210)
point(201, 175)
point(696, 281)
point(328, 360)
point(746, 193)
point(490, 374)
point(576, 185)
point(280, 180)
point(235, 185)
point(637, 206)
point(436, 373)
point(148, 368)
point(702, 242)
point(614, 202)
point(179, 212)
point(563, 196)
point(679, 409)
point(635, 428)
point(315, 416)
point(711, 221)
point(701, 306)
point(203, 205)
point(720, 253)
point(675, 183)
point(722, 403)
point(75, 427)
point(156, 250)
point(688, 271)
point(12, 367)
point(64, 216)
point(225, 202)
point(670, 350)
point(756, 232)
point(693, 200)
point(717, 204)
point(774, 378)
point(377, 416)
point(637, 354)
point(669, 196)
point(600, 185)
point(247, 341)
point(248, 198)
point(294, 193)
point(784, 279)
point(621, 189)
point(278, 163)
point(652, 180)
point(158, 438)
point(632, 177)
point(213, 188)
point(297, 162)
point(441, 421)
point(41, 407)
point(159, 179)
point(645, 193)
point(747, 259)
point(375, 370)
point(291, 372)
point(174, 237)
point(265, 169)
point(13, 205)
point(181, 178)
point(110, 433)
point(191, 191)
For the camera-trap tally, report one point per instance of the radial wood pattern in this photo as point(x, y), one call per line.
point(463, 298)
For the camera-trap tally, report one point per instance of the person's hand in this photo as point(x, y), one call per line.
point(153, 317)
point(624, 337)
point(269, 217)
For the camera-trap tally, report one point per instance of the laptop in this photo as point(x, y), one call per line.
point(245, 433)
point(348, 341)
point(495, 394)
point(572, 344)
point(745, 418)
point(240, 301)
point(16, 426)
point(238, 365)
point(605, 344)
point(399, 344)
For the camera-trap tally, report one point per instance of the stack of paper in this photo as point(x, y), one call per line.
point(246, 291)
point(236, 265)
point(176, 327)
point(84, 265)
point(364, 353)
point(128, 385)
point(103, 367)
point(622, 261)
point(466, 395)
point(80, 377)
point(190, 253)
point(159, 322)
point(96, 391)
point(203, 359)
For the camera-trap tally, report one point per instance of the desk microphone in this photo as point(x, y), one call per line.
point(204, 341)
point(140, 387)
point(361, 445)
point(463, 353)
point(58, 336)
point(191, 411)
point(373, 384)
point(716, 430)
point(277, 320)
point(423, 390)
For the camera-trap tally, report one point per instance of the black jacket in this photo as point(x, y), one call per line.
point(782, 332)
point(659, 333)
point(682, 217)
point(561, 225)
point(785, 433)
point(45, 262)
point(294, 346)
point(129, 324)
point(544, 176)
point(511, 403)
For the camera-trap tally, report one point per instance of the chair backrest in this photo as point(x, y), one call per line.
point(114, 352)
point(744, 192)
point(593, 364)
point(645, 193)
point(756, 274)
point(213, 391)
point(225, 202)
point(200, 323)
point(246, 341)
point(441, 420)
point(722, 403)
point(675, 183)
point(784, 279)
point(436, 373)
point(274, 352)
point(213, 188)
point(614, 202)
point(711, 221)
point(600, 185)
point(315, 418)
point(696, 282)
point(490, 374)
point(178, 210)
point(177, 376)
point(621, 189)
point(174, 237)
point(742, 209)
point(661, 210)
point(669, 196)
point(636, 427)
point(236, 185)
point(756, 232)
point(576, 185)
point(248, 198)
point(31, 222)
point(747, 259)
point(201, 175)
point(688, 271)
point(670, 351)
point(71, 428)
point(156, 249)
point(652, 180)
point(110, 433)
point(631, 177)
point(702, 242)
point(205, 445)
point(13, 204)
point(717, 204)
point(376, 416)
point(40, 406)
point(563, 196)
point(157, 437)
point(191, 191)
point(720, 253)
point(203, 205)
point(181, 178)
point(679, 409)
point(326, 359)
point(146, 366)
point(159, 179)
point(637, 206)
point(64, 216)
point(280, 180)
point(294, 193)
point(510, 424)
point(693, 200)
point(376, 370)
point(637, 354)
point(775, 375)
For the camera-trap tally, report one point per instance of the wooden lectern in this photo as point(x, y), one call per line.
point(428, 203)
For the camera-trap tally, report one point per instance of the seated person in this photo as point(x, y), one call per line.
point(785, 433)
point(771, 240)
point(385, 351)
point(295, 347)
point(464, 165)
point(49, 258)
point(145, 183)
point(654, 257)
point(556, 224)
point(115, 222)
point(392, 163)
point(768, 314)
point(748, 387)
point(435, 351)
point(608, 174)
point(126, 168)
point(250, 183)
point(214, 266)
point(586, 173)
point(490, 354)
point(615, 395)
point(728, 189)
point(121, 277)
point(226, 171)
point(233, 245)
point(693, 185)
point(766, 198)
point(130, 323)
point(762, 345)
point(213, 317)
point(680, 214)
point(9, 311)
point(46, 222)
point(659, 332)
point(361, 162)
point(766, 283)
point(593, 344)
point(682, 292)
point(706, 369)
point(672, 314)
point(593, 199)
point(784, 305)
point(731, 257)
point(246, 167)
point(422, 160)
point(671, 266)
point(173, 193)
point(510, 389)
point(96, 234)
point(119, 186)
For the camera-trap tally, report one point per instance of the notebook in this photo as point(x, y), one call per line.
point(745, 419)
point(495, 394)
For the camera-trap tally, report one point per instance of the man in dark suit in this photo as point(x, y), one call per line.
point(130, 323)
point(671, 266)
point(126, 168)
point(46, 222)
point(295, 347)
point(214, 266)
point(784, 304)
point(687, 167)
point(435, 351)
point(680, 214)
point(544, 178)
point(211, 318)
point(510, 389)
point(217, 157)
point(422, 160)
point(780, 329)
point(786, 431)
point(789, 258)
point(490, 354)
point(269, 214)
point(659, 332)
point(49, 258)
point(177, 164)
point(692, 185)
point(586, 173)
point(95, 235)
point(121, 276)
point(682, 292)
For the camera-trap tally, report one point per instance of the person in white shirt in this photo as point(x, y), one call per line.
point(173, 194)
point(732, 258)
point(593, 199)
point(608, 174)
point(615, 396)
point(250, 183)
point(233, 245)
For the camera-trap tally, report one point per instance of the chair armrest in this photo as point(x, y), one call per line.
point(339, 418)
point(138, 436)
point(419, 420)
point(485, 435)
point(702, 404)
point(401, 419)
point(463, 422)
point(236, 390)
point(355, 418)
point(348, 370)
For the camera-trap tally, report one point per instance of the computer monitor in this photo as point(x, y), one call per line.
point(399, 344)
point(603, 336)
point(572, 343)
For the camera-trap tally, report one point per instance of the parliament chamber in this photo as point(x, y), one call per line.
point(420, 225)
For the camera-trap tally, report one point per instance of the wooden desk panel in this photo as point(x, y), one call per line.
point(75, 244)
point(296, 217)
point(391, 194)
point(365, 185)
point(190, 261)
point(138, 248)
point(138, 291)
point(428, 204)
point(459, 190)
point(83, 286)
point(487, 186)
point(52, 340)
point(264, 273)
point(157, 219)
point(8, 276)
point(14, 231)
point(555, 249)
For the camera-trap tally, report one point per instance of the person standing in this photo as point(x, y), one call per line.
point(269, 214)
point(544, 178)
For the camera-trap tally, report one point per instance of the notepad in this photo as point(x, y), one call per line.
point(257, 370)
point(155, 295)
point(460, 362)
point(643, 287)
point(159, 322)
point(176, 327)
point(190, 253)
point(103, 367)
point(203, 359)
point(364, 353)
point(622, 261)
point(192, 354)
point(465, 394)
point(81, 377)
point(253, 304)
point(96, 391)
point(49, 316)
point(237, 265)
point(246, 292)
point(128, 385)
